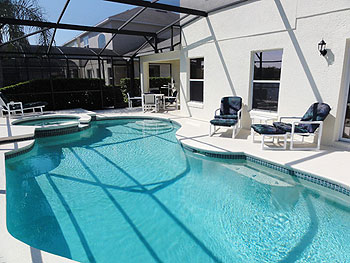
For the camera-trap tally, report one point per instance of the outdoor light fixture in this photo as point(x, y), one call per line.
point(322, 47)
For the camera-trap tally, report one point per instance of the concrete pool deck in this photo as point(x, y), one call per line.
point(329, 163)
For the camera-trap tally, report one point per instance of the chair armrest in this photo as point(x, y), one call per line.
point(306, 122)
point(288, 118)
point(215, 112)
point(13, 103)
point(239, 114)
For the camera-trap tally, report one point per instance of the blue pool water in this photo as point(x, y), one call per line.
point(125, 191)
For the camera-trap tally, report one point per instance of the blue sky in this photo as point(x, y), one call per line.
point(82, 12)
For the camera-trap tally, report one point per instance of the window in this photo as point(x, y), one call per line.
point(346, 127)
point(266, 80)
point(109, 72)
point(89, 74)
point(154, 70)
point(85, 41)
point(101, 41)
point(196, 79)
point(109, 75)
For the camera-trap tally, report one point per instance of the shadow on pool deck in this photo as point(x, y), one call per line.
point(36, 255)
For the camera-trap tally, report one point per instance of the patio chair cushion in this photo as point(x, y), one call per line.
point(230, 105)
point(223, 122)
point(267, 129)
point(287, 127)
point(316, 112)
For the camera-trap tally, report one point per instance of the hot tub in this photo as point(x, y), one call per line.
point(50, 122)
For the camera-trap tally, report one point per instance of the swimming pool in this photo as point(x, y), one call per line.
point(126, 190)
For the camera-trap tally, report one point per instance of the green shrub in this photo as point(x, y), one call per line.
point(158, 82)
point(67, 93)
point(126, 88)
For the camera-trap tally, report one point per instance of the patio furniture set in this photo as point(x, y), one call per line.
point(154, 101)
point(228, 115)
point(311, 124)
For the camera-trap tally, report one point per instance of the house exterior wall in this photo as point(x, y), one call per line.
point(121, 43)
point(227, 39)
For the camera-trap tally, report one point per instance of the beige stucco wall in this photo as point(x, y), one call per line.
point(228, 38)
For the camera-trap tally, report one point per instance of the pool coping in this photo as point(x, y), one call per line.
point(80, 119)
point(49, 257)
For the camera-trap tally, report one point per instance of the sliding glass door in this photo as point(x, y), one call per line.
point(346, 126)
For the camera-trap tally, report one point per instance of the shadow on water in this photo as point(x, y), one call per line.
point(44, 230)
point(36, 224)
point(120, 209)
point(73, 220)
point(306, 240)
point(150, 193)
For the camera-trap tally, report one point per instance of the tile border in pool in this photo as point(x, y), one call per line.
point(228, 155)
point(277, 167)
point(23, 150)
point(59, 131)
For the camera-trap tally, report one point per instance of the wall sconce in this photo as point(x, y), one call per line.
point(322, 47)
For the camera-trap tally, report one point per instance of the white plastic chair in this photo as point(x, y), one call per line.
point(149, 102)
point(18, 107)
point(130, 99)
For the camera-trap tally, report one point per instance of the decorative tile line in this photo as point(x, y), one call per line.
point(277, 167)
point(55, 132)
point(41, 134)
point(10, 155)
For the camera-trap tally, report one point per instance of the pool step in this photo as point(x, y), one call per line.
point(259, 176)
point(152, 123)
point(151, 126)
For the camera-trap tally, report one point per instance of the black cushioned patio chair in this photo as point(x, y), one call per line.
point(229, 115)
point(170, 100)
point(12, 107)
point(310, 124)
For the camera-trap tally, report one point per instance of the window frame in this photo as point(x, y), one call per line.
point(252, 81)
point(154, 65)
point(343, 104)
point(89, 73)
point(104, 39)
point(198, 80)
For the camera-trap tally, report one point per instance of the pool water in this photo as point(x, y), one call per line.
point(126, 191)
point(47, 121)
